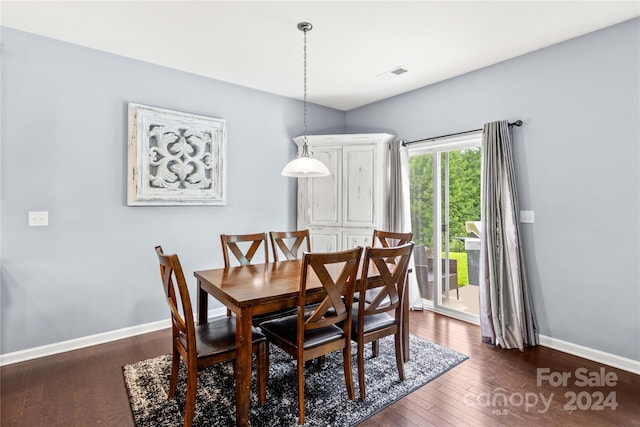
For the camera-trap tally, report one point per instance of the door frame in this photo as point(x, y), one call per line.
point(436, 147)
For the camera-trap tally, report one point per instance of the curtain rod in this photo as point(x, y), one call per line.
point(405, 143)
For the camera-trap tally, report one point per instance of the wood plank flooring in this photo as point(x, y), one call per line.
point(85, 387)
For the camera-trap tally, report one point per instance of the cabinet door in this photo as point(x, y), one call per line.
point(360, 185)
point(325, 194)
point(325, 239)
point(353, 237)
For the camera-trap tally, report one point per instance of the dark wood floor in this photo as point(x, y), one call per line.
point(85, 387)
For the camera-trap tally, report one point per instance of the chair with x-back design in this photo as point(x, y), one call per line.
point(389, 239)
point(201, 345)
point(371, 320)
point(314, 332)
point(244, 247)
point(290, 244)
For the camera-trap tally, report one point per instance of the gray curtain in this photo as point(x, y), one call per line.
point(507, 318)
point(400, 209)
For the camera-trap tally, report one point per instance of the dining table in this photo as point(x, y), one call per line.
point(256, 289)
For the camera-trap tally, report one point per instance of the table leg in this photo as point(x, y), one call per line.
point(243, 365)
point(203, 305)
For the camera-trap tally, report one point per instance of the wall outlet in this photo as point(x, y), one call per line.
point(38, 219)
point(527, 217)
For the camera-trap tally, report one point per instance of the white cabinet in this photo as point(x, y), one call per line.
point(342, 210)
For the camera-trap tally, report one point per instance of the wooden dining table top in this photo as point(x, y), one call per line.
point(262, 283)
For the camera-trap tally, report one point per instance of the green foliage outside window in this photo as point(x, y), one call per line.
point(464, 195)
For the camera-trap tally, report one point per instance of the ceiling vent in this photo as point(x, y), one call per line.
point(395, 72)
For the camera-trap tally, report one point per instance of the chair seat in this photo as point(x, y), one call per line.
point(219, 336)
point(260, 318)
point(370, 295)
point(372, 322)
point(286, 329)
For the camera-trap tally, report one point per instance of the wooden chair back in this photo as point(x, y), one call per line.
point(290, 244)
point(389, 239)
point(177, 294)
point(244, 247)
point(393, 275)
point(339, 288)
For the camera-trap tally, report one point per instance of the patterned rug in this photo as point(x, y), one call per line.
point(326, 402)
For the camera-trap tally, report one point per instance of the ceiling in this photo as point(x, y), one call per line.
point(256, 44)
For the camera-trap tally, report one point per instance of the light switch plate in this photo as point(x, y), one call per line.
point(38, 218)
point(527, 217)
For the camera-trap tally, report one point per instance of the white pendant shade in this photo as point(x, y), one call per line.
point(305, 167)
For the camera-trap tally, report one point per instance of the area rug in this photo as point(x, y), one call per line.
point(326, 399)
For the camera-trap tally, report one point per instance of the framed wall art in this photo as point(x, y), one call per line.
point(175, 158)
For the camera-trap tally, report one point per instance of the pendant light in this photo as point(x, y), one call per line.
point(305, 166)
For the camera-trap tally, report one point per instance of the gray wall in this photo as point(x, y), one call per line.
point(64, 130)
point(578, 162)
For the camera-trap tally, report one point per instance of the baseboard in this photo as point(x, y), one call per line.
point(88, 341)
point(613, 360)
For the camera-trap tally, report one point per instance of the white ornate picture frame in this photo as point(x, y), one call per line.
point(175, 158)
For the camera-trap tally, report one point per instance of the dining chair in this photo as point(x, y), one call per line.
point(246, 247)
point(314, 332)
point(201, 345)
point(292, 244)
point(289, 243)
point(372, 320)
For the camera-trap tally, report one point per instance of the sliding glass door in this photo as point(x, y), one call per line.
point(445, 214)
